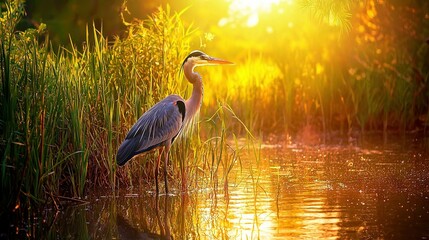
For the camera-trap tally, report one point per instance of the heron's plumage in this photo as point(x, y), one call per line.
point(159, 124)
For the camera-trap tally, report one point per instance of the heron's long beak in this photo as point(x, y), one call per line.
point(216, 61)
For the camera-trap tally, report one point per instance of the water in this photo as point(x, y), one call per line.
point(374, 190)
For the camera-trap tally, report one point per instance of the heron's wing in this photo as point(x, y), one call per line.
point(160, 123)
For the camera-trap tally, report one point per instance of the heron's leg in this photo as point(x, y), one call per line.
point(166, 151)
point(156, 170)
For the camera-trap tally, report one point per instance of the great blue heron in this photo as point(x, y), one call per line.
point(159, 126)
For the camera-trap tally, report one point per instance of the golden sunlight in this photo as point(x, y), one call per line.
point(249, 10)
point(253, 5)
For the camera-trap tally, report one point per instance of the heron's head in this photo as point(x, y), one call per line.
point(197, 58)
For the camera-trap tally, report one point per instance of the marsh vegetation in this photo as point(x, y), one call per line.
point(65, 110)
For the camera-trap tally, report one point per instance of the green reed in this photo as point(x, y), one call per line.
point(65, 111)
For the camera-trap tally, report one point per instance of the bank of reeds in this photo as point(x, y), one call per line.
point(65, 111)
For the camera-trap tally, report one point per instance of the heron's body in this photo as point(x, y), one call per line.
point(161, 124)
point(158, 127)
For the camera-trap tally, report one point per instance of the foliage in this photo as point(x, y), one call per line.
point(331, 11)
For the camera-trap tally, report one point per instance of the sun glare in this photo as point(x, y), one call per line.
point(253, 5)
point(249, 10)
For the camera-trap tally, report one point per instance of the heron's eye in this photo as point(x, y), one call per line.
point(204, 57)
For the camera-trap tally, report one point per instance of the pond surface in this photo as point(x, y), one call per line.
point(366, 191)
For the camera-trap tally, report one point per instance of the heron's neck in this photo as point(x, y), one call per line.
point(194, 102)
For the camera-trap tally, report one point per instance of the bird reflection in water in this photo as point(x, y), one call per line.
point(126, 231)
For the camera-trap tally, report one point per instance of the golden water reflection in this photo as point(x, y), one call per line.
point(323, 193)
point(289, 193)
point(278, 204)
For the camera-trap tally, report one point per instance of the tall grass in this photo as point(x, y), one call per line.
point(65, 111)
